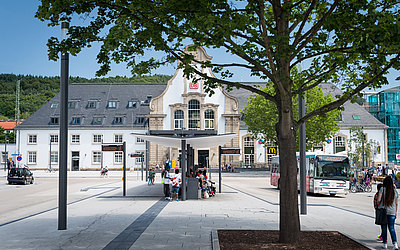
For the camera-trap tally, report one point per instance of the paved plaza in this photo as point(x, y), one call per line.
point(103, 219)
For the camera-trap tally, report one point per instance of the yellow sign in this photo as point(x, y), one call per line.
point(173, 163)
point(272, 150)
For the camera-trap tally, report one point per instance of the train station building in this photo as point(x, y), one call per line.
point(117, 112)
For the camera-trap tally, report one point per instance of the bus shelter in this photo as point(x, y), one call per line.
point(187, 140)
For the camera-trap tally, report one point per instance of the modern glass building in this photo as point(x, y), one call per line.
point(385, 106)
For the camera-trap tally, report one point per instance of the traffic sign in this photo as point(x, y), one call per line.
point(398, 157)
point(19, 158)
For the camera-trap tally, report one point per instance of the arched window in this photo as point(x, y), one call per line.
point(248, 151)
point(194, 114)
point(209, 119)
point(178, 119)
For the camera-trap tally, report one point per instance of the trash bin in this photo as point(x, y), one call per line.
point(192, 189)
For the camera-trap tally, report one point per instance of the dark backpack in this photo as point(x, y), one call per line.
point(376, 204)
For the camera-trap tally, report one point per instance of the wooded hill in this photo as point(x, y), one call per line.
point(35, 91)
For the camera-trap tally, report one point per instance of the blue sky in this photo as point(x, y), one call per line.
point(24, 51)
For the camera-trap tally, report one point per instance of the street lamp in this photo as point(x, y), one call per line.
point(63, 142)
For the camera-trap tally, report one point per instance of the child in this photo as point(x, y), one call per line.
point(176, 181)
point(376, 204)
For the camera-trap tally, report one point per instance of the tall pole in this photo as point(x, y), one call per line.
point(183, 163)
point(63, 148)
point(302, 148)
point(50, 152)
point(362, 143)
point(146, 159)
point(124, 167)
point(5, 153)
point(219, 169)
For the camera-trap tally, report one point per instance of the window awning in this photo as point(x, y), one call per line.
point(209, 141)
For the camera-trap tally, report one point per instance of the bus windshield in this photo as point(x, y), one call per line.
point(329, 168)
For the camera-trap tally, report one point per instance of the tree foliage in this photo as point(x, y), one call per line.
point(358, 145)
point(350, 43)
point(261, 116)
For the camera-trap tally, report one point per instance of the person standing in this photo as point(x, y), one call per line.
point(388, 198)
point(167, 181)
point(176, 182)
point(150, 178)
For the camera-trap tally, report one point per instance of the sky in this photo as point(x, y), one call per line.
point(23, 48)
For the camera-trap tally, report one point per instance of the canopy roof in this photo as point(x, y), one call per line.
point(194, 141)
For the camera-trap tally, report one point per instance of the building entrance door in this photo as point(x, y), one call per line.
point(75, 161)
point(202, 158)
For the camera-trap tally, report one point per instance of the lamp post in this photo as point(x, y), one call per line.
point(63, 148)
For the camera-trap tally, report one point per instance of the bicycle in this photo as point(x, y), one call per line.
point(50, 170)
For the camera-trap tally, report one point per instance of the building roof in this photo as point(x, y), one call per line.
point(8, 125)
point(100, 93)
point(392, 89)
point(353, 114)
point(365, 120)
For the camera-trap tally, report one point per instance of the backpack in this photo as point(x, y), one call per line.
point(376, 204)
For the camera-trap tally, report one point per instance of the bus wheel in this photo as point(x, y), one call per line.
point(279, 184)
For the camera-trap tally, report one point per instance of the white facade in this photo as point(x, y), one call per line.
point(84, 148)
point(376, 135)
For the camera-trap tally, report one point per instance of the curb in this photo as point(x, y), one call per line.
point(214, 240)
point(348, 236)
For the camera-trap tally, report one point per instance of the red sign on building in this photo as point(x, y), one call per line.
point(193, 85)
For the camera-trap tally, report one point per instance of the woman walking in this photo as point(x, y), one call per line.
point(388, 198)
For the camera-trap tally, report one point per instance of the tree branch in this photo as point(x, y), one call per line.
point(221, 81)
point(267, 45)
point(336, 104)
point(310, 34)
point(304, 21)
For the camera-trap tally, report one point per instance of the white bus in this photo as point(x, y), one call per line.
point(326, 174)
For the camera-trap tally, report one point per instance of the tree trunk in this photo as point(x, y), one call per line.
point(289, 211)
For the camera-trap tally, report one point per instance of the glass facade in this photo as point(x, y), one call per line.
point(385, 106)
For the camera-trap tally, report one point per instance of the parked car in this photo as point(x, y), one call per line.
point(20, 175)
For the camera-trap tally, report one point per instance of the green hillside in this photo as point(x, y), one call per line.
point(37, 90)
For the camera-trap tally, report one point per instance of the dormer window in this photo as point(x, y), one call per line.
point(140, 120)
point(131, 104)
point(118, 120)
point(71, 104)
point(112, 104)
point(54, 120)
point(54, 105)
point(91, 105)
point(97, 121)
point(356, 117)
point(147, 101)
point(76, 121)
